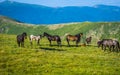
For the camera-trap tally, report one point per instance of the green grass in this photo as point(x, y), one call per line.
point(53, 60)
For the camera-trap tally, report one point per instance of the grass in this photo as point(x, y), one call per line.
point(53, 60)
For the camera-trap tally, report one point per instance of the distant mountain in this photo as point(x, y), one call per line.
point(37, 14)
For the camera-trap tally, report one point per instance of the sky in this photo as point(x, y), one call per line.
point(63, 3)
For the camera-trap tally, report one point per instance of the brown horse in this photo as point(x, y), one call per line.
point(76, 38)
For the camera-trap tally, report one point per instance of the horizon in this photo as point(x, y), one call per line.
point(63, 3)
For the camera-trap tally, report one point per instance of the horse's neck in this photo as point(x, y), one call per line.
point(48, 35)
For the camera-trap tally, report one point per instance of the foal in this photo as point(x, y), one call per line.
point(20, 39)
point(88, 40)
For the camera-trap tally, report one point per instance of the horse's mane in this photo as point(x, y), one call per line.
point(47, 34)
point(78, 34)
point(24, 33)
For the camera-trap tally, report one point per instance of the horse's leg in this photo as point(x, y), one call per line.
point(22, 44)
point(102, 46)
point(68, 42)
point(50, 42)
point(38, 42)
point(76, 43)
point(59, 43)
point(113, 48)
point(31, 42)
point(18, 43)
point(110, 48)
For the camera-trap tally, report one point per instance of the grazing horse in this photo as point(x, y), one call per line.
point(53, 38)
point(20, 39)
point(106, 43)
point(76, 38)
point(36, 38)
point(111, 44)
point(88, 40)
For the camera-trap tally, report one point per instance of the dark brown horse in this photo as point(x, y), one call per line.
point(53, 38)
point(20, 39)
point(76, 38)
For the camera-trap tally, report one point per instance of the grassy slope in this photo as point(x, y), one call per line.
point(97, 30)
point(46, 60)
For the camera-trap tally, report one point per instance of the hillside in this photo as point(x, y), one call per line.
point(39, 14)
point(97, 30)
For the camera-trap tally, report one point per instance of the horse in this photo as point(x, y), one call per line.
point(36, 38)
point(88, 40)
point(106, 43)
point(21, 38)
point(111, 44)
point(76, 38)
point(53, 38)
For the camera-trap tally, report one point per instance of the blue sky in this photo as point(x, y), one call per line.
point(62, 3)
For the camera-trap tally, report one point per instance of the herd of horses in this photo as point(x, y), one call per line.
point(113, 45)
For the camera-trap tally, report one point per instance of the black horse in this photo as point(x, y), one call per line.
point(76, 38)
point(20, 39)
point(111, 44)
point(88, 40)
point(53, 38)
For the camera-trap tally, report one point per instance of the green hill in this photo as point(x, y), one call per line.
point(97, 30)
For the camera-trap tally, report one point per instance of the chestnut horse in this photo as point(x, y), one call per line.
point(76, 38)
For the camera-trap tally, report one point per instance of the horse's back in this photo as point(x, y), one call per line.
point(20, 38)
point(57, 38)
point(71, 37)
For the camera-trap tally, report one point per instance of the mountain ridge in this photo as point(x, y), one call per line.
point(39, 14)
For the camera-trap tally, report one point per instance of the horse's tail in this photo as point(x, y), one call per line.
point(59, 39)
point(118, 46)
point(67, 39)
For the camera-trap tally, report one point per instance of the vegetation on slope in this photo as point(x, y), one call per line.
point(97, 30)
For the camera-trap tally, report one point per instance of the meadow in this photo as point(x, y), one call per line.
point(53, 60)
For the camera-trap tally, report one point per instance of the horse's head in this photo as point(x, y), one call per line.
point(99, 43)
point(45, 34)
point(41, 36)
point(81, 34)
point(25, 35)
